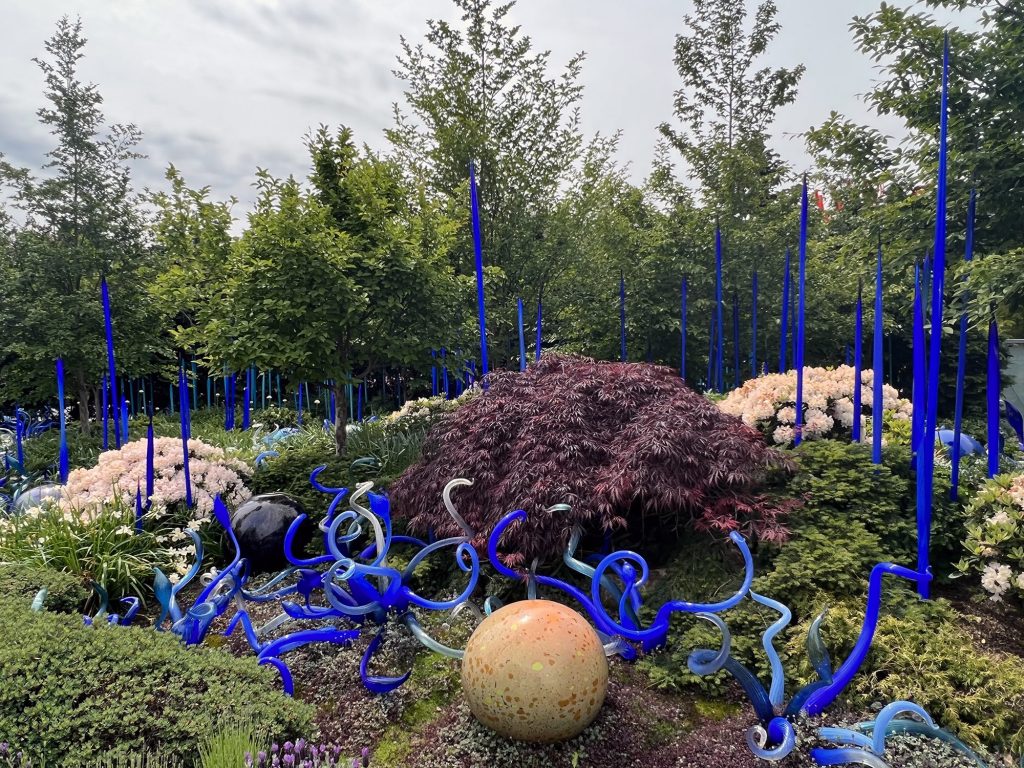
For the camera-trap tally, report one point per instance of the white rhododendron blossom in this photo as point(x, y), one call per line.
point(122, 472)
point(768, 403)
point(996, 580)
point(995, 536)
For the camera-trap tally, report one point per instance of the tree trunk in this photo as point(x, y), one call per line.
point(340, 418)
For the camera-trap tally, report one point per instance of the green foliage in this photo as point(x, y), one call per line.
point(99, 545)
point(81, 222)
point(289, 472)
point(192, 235)
point(22, 581)
point(922, 653)
point(840, 484)
point(127, 691)
point(854, 516)
point(227, 747)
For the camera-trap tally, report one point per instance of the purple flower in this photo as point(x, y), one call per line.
point(248, 760)
point(275, 762)
point(3, 747)
point(289, 759)
point(300, 746)
point(274, 748)
point(261, 758)
point(288, 746)
point(366, 757)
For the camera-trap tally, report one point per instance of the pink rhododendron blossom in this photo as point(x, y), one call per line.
point(768, 403)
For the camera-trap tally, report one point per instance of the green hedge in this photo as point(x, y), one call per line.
point(72, 695)
point(21, 582)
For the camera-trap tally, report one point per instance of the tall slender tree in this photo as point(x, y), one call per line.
point(81, 223)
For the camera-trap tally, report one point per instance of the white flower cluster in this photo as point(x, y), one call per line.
point(768, 403)
point(122, 472)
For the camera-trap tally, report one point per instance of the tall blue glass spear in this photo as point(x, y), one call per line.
point(540, 321)
point(858, 343)
point(150, 467)
point(106, 414)
point(63, 460)
point(753, 326)
point(799, 330)
point(522, 339)
point(918, 390)
point(479, 252)
point(992, 400)
point(877, 364)
point(444, 373)
point(247, 395)
point(926, 456)
point(184, 409)
point(111, 369)
point(736, 340)
point(719, 325)
point(433, 374)
point(784, 318)
point(622, 317)
point(682, 330)
point(961, 364)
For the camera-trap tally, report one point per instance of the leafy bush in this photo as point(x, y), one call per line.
point(22, 581)
point(768, 402)
point(854, 515)
point(995, 536)
point(289, 472)
point(921, 654)
point(98, 544)
point(122, 472)
point(838, 482)
point(128, 690)
point(618, 442)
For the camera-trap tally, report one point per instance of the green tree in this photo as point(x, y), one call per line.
point(192, 235)
point(329, 284)
point(887, 189)
point(482, 92)
point(724, 109)
point(81, 223)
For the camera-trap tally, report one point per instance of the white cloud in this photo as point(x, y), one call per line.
point(220, 87)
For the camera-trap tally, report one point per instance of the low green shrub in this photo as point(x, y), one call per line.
point(73, 695)
point(22, 581)
point(921, 653)
point(839, 483)
point(99, 544)
point(289, 473)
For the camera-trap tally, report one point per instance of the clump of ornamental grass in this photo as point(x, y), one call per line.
point(625, 445)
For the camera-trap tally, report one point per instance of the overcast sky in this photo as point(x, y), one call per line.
point(220, 87)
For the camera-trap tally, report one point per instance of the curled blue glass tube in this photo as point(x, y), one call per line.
point(824, 696)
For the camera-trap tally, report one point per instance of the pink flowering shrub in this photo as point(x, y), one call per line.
point(768, 403)
point(121, 472)
point(90, 494)
point(995, 536)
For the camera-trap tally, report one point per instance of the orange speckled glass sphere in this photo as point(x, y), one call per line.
point(535, 670)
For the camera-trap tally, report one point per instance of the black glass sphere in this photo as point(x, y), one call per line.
point(261, 524)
